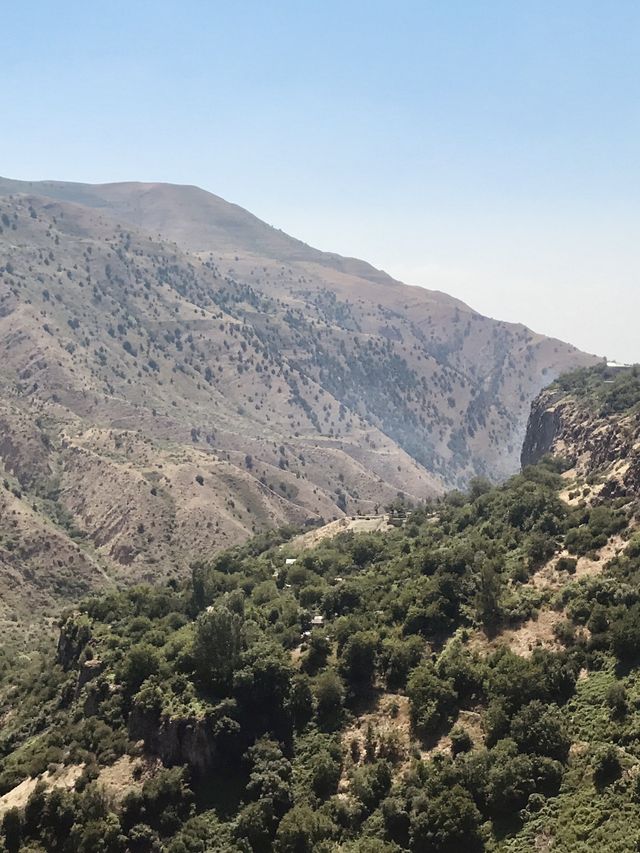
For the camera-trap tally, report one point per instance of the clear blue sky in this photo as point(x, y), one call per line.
point(490, 149)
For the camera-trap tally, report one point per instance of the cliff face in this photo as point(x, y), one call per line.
point(597, 442)
point(176, 741)
point(543, 428)
point(183, 739)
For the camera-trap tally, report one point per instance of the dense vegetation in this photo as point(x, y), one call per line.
point(609, 391)
point(357, 699)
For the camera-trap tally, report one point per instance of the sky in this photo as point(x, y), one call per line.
point(487, 149)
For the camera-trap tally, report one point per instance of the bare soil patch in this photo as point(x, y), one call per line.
point(361, 524)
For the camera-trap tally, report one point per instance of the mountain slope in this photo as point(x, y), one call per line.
point(491, 370)
point(193, 218)
point(160, 402)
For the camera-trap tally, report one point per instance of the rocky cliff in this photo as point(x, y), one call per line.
point(591, 418)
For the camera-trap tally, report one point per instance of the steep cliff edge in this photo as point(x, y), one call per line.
point(592, 418)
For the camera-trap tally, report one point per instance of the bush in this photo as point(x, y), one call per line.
point(567, 564)
point(432, 700)
point(617, 699)
point(606, 765)
point(460, 740)
point(540, 729)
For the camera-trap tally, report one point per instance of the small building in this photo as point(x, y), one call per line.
point(290, 561)
point(317, 622)
point(617, 365)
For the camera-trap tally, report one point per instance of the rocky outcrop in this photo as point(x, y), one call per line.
point(89, 670)
point(182, 740)
point(75, 634)
point(543, 427)
point(605, 446)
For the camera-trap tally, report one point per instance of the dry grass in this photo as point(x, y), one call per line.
point(388, 725)
point(127, 774)
point(548, 577)
point(532, 634)
point(351, 524)
point(63, 777)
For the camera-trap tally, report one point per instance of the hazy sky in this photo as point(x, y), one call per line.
point(489, 149)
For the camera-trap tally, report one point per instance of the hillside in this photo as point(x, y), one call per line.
point(177, 375)
point(466, 682)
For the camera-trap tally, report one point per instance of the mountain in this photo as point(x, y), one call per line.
point(177, 375)
point(466, 681)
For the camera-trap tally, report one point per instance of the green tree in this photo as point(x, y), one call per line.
point(625, 634)
point(513, 777)
point(432, 700)
point(372, 783)
point(540, 728)
point(217, 647)
point(329, 697)
point(270, 777)
point(262, 686)
point(319, 651)
point(449, 823)
point(488, 596)
point(12, 830)
point(325, 774)
point(301, 829)
point(140, 662)
point(460, 740)
point(399, 657)
point(358, 658)
point(301, 700)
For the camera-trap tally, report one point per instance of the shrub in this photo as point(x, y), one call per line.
point(460, 740)
point(432, 700)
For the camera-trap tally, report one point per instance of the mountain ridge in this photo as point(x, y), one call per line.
point(231, 217)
